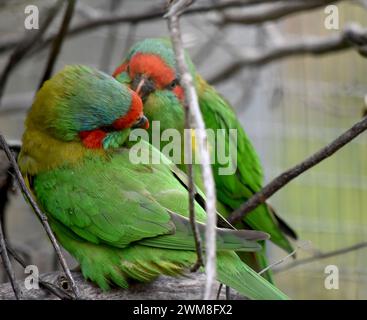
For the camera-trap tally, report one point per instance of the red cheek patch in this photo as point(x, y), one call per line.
point(134, 113)
point(92, 139)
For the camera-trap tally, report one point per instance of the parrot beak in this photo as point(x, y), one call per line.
point(142, 122)
point(143, 86)
point(139, 87)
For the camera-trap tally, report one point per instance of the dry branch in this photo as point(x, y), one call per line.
point(164, 288)
point(197, 122)
point(287, 176)
point(272, 12)
point(175, 10)
point(191, 191)
point(56, 46)
point(321, 255)
point(25, 44)
point(352, 37)
point(8, 266)
point(39, 213)
point(55, 290)
point(153, 13)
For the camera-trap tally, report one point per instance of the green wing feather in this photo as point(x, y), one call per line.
point(92, 198)
point(233, 190)
point(123, 221)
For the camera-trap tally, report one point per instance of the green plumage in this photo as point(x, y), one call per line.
point(124, 221)
point(234, 189)
point(127, 223)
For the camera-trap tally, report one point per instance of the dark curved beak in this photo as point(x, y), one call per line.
point(143, 86)
point(142, 122)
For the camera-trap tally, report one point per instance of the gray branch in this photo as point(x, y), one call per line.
point(274, 11)
point(164, 288)
point(42, 217)
point(154, 13)
point(197, 122)
point(287, 176)
point(321, 255)
point(352, 37)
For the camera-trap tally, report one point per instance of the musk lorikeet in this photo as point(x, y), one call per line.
point(121, 221)
point(150, 69)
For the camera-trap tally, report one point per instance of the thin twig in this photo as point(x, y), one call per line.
point(321, 256)
point(177, 8)
point(130, 39)
point(7, 265)
point(287, 176)
point(352, 37)
point(151, 14)
point(56, 46)
point(110, 41)
point(6, 184)
point(58, 292)
point(278, 262)
point(201, 140)
point(39, 213)
point(25, 45)
point(272, 12)
point(191, 189)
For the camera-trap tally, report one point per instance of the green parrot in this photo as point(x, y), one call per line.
point(121, 221)
point(150, 70)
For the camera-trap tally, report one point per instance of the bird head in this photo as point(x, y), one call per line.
point(150, 70)
point(83, 104)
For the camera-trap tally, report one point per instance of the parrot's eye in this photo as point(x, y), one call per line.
point(172, 85)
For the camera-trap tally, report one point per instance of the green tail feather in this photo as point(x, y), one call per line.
point(246, 281)
point(262, 219)
point(106, 265)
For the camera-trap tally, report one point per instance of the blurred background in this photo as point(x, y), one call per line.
point(290, 106)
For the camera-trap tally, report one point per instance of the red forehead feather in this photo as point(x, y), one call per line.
point(153, 66)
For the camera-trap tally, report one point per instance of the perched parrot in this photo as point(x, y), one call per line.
point(121, 221)
point(150, 70)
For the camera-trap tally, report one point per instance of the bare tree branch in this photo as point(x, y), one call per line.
point(25, 44)
point(6, 183)
point(7, 265)
point(110, 41)
point(191, 190)
point(287, 176)
point(39, 213)
point(320, 256)
point(352, 37)
point(153, 13)
point(130, 39)
point(51, 288)
point(272, 12)
point(58, 41)
point(177, 8)
point(164, 288)
point(201, 138)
